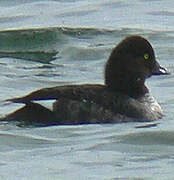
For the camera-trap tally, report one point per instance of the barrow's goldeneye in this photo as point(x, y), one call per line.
point(123, 98)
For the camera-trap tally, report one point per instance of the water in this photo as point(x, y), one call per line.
point(48, 43)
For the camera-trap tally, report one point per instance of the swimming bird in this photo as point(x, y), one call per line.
point(123, 97)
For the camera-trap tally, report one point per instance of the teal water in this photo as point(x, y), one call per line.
point(49, 43)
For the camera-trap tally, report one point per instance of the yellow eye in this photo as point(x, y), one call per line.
point(146, 56)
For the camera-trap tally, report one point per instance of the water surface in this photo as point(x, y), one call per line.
point(49, 43)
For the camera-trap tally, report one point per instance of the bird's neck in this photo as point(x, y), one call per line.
point(131, 86)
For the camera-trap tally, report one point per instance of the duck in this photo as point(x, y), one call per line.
point(123, 97)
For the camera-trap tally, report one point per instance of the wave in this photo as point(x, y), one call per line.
point(39, 56)
point(44, 44)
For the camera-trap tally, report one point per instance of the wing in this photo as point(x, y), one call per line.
point(74, 92)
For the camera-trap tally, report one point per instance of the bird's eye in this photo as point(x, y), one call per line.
point(146, 56)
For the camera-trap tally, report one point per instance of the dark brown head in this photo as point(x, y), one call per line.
point(130, 63)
